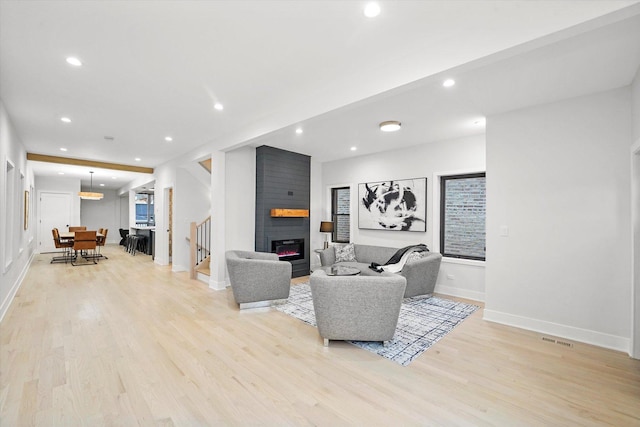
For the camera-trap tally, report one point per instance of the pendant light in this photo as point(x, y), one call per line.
point(90, 195)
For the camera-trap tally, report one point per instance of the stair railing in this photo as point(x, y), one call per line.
point(200, 244)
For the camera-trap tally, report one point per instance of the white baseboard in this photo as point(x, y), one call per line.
point(176, 268)
point(586, 336)
point(217, 285)
point(14, 289)
point(460, 293)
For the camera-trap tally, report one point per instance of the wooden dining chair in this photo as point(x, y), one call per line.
point(85, 241)
point(78, 228)
point(101, 241)
point(65, 245)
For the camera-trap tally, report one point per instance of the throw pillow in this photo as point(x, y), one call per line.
point(345, 253)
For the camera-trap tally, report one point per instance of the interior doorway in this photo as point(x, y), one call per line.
point(168, 214)
point(54, 211)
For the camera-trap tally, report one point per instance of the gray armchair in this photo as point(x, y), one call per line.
point(357, 308)
point(257, 278)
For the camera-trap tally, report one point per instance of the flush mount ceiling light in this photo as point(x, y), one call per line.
point(90, 195)
point(390, 126)
point(371, 10)
point(72, 60)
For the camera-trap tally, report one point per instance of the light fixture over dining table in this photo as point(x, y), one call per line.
point(90, 195)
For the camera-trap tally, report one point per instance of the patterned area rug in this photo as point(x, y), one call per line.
point(423, 321)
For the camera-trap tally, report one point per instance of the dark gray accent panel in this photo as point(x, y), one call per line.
point(282, 181)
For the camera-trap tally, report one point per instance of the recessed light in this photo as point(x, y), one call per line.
point(448, 83)
point(60, 173)
point(113, 177)
point(371, 10)
point(63, 149)
point(354, 148)
point(65, 119)
point(168, 138)
point(218, 106)
point(101, 185)
point(72, 60)
point(390, 126)
point(137, 159)
point(299, 131)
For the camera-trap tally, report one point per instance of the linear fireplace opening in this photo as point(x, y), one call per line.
point(288, 250)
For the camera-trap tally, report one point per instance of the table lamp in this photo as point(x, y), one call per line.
point(326, 227)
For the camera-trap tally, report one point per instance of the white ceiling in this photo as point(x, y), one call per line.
point(153, 69)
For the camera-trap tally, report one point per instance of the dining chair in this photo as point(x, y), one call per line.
point(78, 228)
point(85, 241)
point(65, 245)
point(101, 241)
point(123, 237)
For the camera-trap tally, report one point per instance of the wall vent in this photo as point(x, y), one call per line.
point(554, 341)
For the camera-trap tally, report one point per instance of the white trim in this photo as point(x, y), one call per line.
point(460, 293)
point(14, 289)
point(462, 261)
point(634, 341)
point(569, 332)
point(218, 286)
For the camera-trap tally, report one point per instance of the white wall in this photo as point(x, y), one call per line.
point(57, 184)
point(165, 178)
point(105, 213)
point(240, 199)
point(123, 218)
point(558, 177)
point(17, 245)
point(192, 203)
point(635, 105)
point(635, 212)
point(317, 211)
point(454, 156)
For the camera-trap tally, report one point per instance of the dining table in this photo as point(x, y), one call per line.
point(70, 235)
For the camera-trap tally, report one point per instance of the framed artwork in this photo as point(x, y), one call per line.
point(399, 205)
point(26, 209)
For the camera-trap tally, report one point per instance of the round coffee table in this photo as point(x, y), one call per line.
point(340, 270)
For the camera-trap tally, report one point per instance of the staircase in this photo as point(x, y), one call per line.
point(200, 249)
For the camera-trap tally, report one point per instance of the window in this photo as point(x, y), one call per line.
point(144, 209)
point(462, 216)
point(340, 214)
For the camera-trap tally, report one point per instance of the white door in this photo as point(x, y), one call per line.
point(54, 212)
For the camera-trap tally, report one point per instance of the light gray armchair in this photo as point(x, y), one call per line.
point(357, 308)
point(257, 278)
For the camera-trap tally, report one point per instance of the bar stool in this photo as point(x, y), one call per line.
point(132, 243)
point(142, 244)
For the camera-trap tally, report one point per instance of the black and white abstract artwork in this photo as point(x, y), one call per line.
point(393, 205)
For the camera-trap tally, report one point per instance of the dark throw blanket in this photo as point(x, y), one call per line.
point(398, 256)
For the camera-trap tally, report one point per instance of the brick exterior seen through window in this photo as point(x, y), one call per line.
point(340, 209)
point(463, 214)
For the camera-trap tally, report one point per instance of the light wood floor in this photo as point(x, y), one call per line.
point(128, 343)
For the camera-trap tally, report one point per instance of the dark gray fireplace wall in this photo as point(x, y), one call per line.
point(282, 181)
